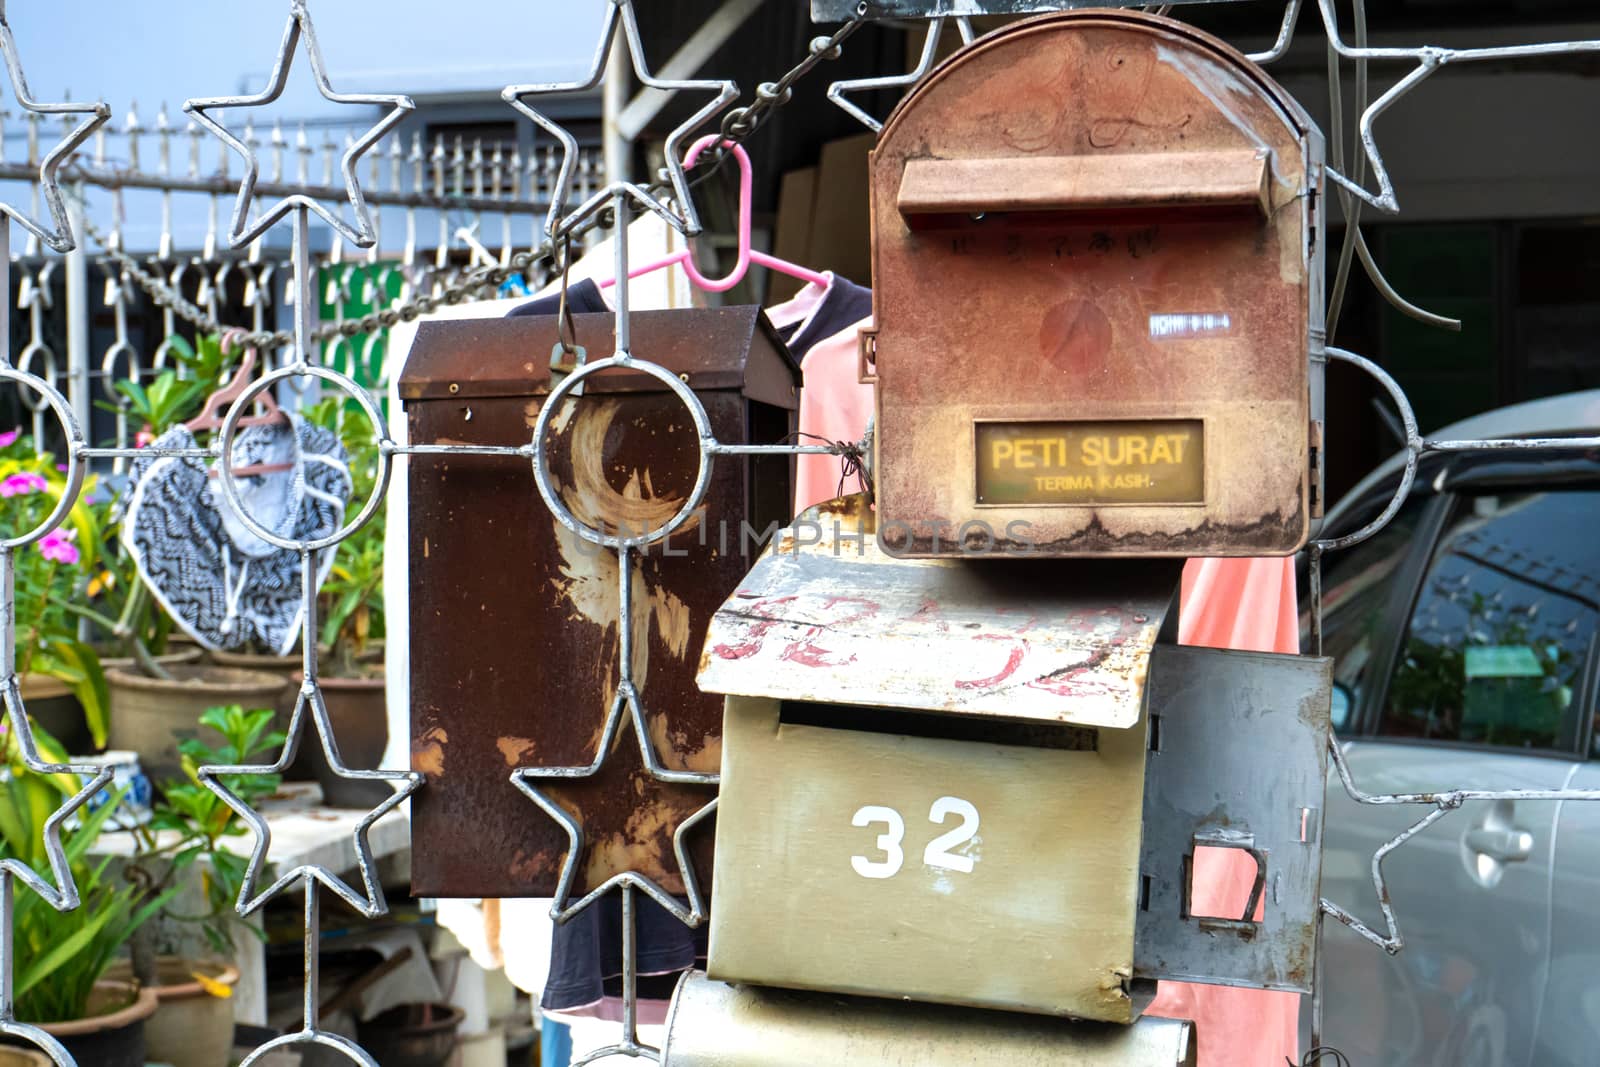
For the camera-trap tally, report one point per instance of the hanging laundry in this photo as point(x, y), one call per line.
point(222, 584)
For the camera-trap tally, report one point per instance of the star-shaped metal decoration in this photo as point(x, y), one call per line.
point(526, 779)
point(243, 230)
point(688, 222)
point(370, 904)
point(930, 50)
point(63, 895)
point(60, 238)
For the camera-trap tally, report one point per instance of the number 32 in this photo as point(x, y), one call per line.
point(937, 854)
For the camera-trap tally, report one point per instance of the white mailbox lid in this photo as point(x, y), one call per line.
point(825, 616)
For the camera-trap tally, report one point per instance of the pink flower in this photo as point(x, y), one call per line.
point(57, 546)
point(9, 438)
point(22, 483)
point(143, 438)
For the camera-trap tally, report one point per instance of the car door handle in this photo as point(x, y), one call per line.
point(1506, 846)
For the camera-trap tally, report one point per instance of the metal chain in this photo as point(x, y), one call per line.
point(738, 125)
point(741, 122)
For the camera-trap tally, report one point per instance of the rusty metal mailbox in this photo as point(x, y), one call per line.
point(932, 774)
point(986, 782)
point(514, 618)
point(1097, 288)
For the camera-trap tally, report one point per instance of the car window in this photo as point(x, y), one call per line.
point(1495, 648)
point(1356, 585)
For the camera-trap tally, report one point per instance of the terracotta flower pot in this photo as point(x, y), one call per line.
point(190, 1027)
point(185, 654)
point(358, 713)
point(22, 1057)
point(56, 709)
point(112, 1034)
point(150, 715)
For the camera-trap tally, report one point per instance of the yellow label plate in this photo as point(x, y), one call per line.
point(1114, 462)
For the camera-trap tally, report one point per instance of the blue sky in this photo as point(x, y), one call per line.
point(155, 50)
point(166, 51)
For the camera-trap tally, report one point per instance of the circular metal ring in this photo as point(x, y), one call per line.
point(108, 372)
point(1413, 451)
point(230, 426)
point(40, 1040)
point(25, 360)
point(337, 1042)
point(69, 494)
point(552, 499)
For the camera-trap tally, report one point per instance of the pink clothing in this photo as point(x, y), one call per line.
point(834, 404)
point(1246, 604)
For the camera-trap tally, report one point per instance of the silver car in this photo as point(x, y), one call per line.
point(1465, 655)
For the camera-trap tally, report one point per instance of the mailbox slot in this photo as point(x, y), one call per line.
point(1197, 183)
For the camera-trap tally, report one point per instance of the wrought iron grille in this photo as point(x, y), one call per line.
point(561, 198)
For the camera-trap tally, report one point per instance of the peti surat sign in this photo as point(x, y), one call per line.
point(1112, 462)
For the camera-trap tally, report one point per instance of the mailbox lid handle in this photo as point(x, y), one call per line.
point(1227, 180)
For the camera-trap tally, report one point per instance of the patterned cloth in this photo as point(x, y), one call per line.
point(223, 585)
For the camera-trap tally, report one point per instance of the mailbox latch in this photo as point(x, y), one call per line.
point(867, 351)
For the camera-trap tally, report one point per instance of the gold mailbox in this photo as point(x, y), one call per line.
point(932, 774)
point(1097, 289)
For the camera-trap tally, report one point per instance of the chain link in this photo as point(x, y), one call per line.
point(737, 126)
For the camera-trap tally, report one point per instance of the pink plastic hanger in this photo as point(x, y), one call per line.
point(211, 414)
point(747, 255)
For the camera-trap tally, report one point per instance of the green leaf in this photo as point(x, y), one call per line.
point(15, 825)
point(89, 687)
point(136, 394)
point(88, 831)
point(46, 965)
point(180, 348)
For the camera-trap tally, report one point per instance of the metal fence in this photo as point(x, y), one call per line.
point(553, 200)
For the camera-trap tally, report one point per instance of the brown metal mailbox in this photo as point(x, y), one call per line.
point(514, 618)
point(932, 773)
point(1097, 287)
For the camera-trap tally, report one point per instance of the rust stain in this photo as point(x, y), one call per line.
point(517, 751)
point(427, 752)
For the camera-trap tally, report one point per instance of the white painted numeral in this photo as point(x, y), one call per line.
point(938, 852)
point(889, 843)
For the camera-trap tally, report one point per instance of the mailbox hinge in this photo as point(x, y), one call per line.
point(867, 352)
point(1315, 483)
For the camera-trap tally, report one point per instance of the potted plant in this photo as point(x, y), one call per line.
point(59, 674)
point(193, 1024)
point(156, 702)
point(62, 957)
point(350, 605)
